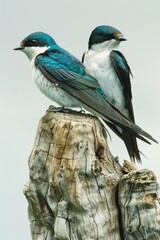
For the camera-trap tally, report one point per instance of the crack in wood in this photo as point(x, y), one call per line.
point(77, 190)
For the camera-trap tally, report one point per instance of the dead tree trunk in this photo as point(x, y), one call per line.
point(77, 190)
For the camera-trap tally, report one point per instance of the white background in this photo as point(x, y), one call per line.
point(70, 23)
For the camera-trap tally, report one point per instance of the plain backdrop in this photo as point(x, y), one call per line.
point(70, 22)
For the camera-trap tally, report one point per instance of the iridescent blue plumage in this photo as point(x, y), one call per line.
point(38, 39)
point(104, 33)
point(62, 78)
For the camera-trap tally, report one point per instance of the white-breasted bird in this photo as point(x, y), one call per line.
point(113, 73)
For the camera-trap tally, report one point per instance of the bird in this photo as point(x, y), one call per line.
point(62, 78)
point(103, 61)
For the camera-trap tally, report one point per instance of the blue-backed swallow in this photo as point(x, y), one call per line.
point(63, 79)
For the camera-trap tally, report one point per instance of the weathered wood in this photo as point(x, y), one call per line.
point(139, 200)
point(73, 189)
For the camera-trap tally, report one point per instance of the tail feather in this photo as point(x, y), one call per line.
point(130, 141)
point(132, 146)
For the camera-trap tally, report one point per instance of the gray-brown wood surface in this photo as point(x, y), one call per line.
point(77, 190)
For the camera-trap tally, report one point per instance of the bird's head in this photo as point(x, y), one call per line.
point(105, 35)
point(35, 44)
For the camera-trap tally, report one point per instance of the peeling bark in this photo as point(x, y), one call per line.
point(77, 190)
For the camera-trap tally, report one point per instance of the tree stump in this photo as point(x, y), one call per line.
point(139, 201)
point(78, 190)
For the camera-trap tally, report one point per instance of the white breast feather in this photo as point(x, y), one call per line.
point(98, 64)
point(53, 91)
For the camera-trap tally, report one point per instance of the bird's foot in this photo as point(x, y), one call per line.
point(55, 109)
point(68, 110)
point(63, 109)
point(82, 111)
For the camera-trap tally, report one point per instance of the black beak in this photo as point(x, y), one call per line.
point(19, 48)
point(121, 38)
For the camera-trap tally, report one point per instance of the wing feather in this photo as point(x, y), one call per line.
point(86, 91)
point(123, 72)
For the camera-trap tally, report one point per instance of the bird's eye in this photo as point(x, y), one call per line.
point(33, 42)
